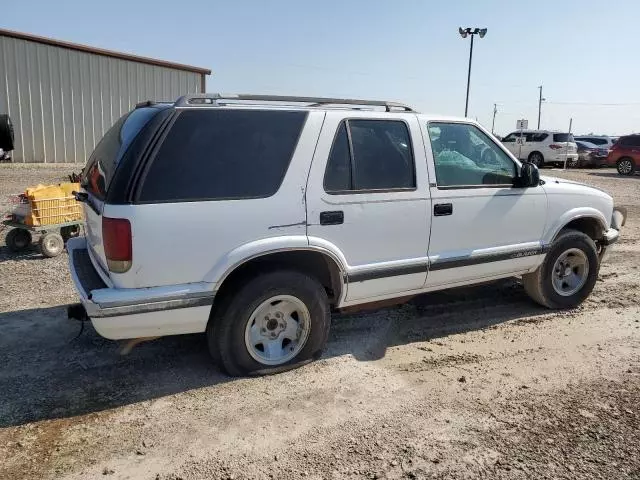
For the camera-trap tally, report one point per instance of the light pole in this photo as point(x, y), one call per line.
point(540, 100)
point(464, 32)
point(495, 110)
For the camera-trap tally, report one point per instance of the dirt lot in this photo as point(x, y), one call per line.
point(477, 383)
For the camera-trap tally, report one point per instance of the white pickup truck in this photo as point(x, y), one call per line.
point(251, 217)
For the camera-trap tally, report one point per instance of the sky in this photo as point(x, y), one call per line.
point(584, 53)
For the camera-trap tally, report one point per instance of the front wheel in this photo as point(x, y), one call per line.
point(567, 275)
point(274, 322)
point(626, 166)
point(537, 159)
point(51, 244)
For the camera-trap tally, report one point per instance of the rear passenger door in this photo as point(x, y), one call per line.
point(367, 201)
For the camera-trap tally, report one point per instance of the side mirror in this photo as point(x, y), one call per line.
point(529, 175)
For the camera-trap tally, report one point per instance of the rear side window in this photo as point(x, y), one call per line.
point(102, 163)
point(563, 137)
point(370, 155)
point(536, 136)
point(223, 154)
point(633, 141)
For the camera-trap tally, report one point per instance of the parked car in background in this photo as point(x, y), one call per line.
point(251, 217)
point(590, 155)
point(599, 140)
point(543, 147)
point(625, 154)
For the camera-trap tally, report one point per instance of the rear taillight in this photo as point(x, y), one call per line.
point(555, 146)
point(116, 237)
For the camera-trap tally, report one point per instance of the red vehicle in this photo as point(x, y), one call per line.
point(625, 154)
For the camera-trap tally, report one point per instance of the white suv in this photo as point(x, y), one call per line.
point(542, 147)
point(251, 217)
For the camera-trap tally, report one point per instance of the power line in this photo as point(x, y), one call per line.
point(627, 104)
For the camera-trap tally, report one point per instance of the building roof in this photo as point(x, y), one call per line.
point(100, 51)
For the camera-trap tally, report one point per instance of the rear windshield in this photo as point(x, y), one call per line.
point(223, 154)
point(563, 137)
point(102, 163)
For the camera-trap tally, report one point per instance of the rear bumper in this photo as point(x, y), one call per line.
point(137, 312)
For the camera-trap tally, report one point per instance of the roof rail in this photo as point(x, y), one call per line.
point(217, 98)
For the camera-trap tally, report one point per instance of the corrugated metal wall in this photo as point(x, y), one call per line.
point(61, 101)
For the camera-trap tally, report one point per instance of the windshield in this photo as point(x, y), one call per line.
point(103, 161)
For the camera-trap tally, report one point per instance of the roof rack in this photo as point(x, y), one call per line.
point(217, 99)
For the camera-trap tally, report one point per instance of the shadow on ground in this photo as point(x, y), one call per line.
point(636, 176)
point(47, 374)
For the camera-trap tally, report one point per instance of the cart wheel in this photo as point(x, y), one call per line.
point(18, 239)
point(69, 232)
point(51, 244)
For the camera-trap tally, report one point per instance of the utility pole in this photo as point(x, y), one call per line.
point(495, 110)
point(540, 99)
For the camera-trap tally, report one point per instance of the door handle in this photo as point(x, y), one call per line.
point(332, 218)
point(442, 209)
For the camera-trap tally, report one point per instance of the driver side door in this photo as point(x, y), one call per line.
point(482, 226)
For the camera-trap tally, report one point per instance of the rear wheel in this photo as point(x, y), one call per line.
point(567, 275)
point(537, 159)
point(275, 322)
point(51, 244)
point(626, 166)
point(18, 239)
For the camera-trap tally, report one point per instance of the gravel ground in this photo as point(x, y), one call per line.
point(473, 383)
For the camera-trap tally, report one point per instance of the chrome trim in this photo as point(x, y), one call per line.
point(138, 308)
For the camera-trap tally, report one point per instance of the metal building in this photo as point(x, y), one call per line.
point(62, 97)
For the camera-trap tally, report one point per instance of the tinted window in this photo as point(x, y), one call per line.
point(102, 163)
point(465, 156)
point(216, 154)
point(595, 141)
point(379, 157)
point(632, 141)
point(510, 138)
point(536, 137)
point(337, 176)
point(563, 137)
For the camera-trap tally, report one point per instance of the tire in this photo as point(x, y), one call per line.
point(626, 166)
point(18, 239)
point(539, 285)
point(6, 133)
point(51, 244)
point(69, 232)
point(240, 331)
point(537, 159)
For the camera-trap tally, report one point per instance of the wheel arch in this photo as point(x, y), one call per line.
point(591, 223)
point(321, 264)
